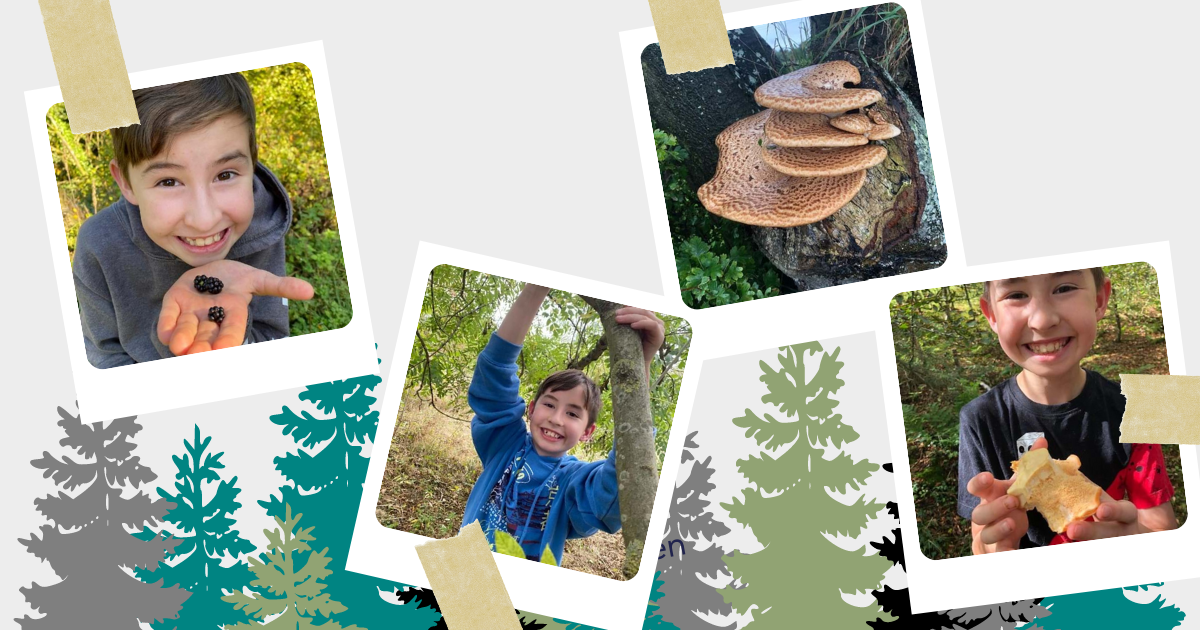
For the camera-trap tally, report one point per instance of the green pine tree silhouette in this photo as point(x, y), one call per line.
point(205, 538)
point(801, 574)
point(327, 487)
point(654, 621)
point(1108, 608)
point(289, 588)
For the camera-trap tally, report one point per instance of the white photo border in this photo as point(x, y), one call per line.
point(250, 369)
point(634, 41)
point(1032, 573)
point(581, 597)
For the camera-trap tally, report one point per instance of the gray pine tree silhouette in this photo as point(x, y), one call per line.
point(680, 564)
point(89, 538)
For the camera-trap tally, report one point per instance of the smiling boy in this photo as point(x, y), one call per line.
point(1046, 324)
point(530, 487)
point(194, 202)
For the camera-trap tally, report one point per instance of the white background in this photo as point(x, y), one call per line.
point(505, 129)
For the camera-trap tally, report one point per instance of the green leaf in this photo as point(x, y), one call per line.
point(508, 545)
point(547, 557)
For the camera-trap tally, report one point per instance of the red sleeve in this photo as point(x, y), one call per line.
point(1146, 477)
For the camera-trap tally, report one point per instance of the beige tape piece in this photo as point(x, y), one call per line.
point(692, 34)
point(90, 65)
point(1161, 409)
point(464, 576)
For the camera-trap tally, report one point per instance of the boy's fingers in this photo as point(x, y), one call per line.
point(983, 486)
point(993, 511)
point(1116, 511)
point(997, 532)
point(233, 330)
point(1040, 443)
point(167, 318)
point(267, 283)
point(185, 333)
point(204, 337)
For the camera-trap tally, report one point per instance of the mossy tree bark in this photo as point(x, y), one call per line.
point(633, 432)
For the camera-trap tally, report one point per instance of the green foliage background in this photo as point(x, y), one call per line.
point(945, 350)
point(463, 307)
point(289, 143)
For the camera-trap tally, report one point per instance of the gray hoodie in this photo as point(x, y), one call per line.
point(121, 276)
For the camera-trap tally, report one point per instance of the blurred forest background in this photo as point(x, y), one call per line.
point(290, 144)
point(946, 355)
point(432, 464)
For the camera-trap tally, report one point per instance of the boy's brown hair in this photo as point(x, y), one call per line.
point(166, 111)
point(1097, 275)
point(570, 379)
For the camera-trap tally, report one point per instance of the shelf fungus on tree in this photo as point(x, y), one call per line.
point(790, 164)
point(819, 89)
point(1055, 487)
point(746, 190)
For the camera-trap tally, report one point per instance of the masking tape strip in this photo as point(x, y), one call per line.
point(464, 576)
point(692, 34)
point(1161, 409)
point(90, 65)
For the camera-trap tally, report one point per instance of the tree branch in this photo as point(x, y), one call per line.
point(596, 352)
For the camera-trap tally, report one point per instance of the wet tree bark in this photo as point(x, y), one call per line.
point(633, 432)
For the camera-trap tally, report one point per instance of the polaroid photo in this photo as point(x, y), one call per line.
point(169, 239)
point(1040, 345)
point(489, 413)
point(809, 163)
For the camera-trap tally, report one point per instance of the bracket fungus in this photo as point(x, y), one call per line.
point(1055, 487)
point(803, 158)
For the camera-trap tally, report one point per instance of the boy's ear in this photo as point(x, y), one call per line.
point(985, 306)
point(587, 433)
point(119, 177)
point(1103, 293)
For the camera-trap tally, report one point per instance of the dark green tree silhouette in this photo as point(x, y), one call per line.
point(88, 539)
point(1109, 608)
point(789, 507)
point(327, 487)
point(205, 538)
point(288, 586)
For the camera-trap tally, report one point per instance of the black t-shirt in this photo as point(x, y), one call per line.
point(999, 426)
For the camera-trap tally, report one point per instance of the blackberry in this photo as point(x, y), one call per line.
point(214, 286)
point(200, 283)
point(216, 314)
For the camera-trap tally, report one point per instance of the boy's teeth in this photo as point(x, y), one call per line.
point(201, 242)
point(1046, 348)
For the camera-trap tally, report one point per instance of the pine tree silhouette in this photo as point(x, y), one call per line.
point(790, 510)
point(88, 539)
point(690, 521)
point(287, 586)
point(1109, 608)
point(654, 621)
point(205, 538)
point(1004, 616)
point(327, 487)
point(424, 598)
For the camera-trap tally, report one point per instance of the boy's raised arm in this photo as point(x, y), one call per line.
point(495, 391)
point(520, 317)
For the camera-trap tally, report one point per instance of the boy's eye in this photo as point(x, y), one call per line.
point(1015, 295)
point(168, 182)
point(1066, 288)
point(225, 176)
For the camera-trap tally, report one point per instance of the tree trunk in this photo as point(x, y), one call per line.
point(633, 432)
point(892, 226)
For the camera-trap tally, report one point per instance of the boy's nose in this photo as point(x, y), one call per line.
point(203, 214)
point(1043, 315)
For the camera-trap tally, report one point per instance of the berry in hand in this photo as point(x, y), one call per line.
point(214, 286)
point(201, 283)
point(216, 314)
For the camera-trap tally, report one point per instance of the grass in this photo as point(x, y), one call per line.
point(431, 469)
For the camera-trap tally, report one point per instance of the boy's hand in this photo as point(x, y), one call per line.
point(1113, 518)
point(998, 523)
point(183, 323)
point(652, 329)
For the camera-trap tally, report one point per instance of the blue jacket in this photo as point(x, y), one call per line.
point(586, 501)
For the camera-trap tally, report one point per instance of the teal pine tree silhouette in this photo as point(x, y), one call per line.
point(801, 574)
point(88, 539)
point(209, 546)
point(327, 487)
point(1108, 608)
point(654, 621)
point(286, 588)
